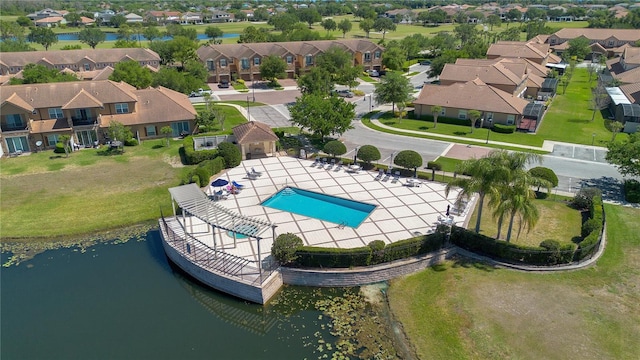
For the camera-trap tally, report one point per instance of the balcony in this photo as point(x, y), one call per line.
point(14, 127)
point(80, 121)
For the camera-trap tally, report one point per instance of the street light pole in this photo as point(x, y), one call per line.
point(488, 131)
point(253, 86)
point(593, 138)
point(248, 110)
point(355, 155)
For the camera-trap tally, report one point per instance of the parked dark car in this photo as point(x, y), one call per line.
point(425, 62)
point(223, 84)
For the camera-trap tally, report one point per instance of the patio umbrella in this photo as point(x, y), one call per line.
point(219, 183)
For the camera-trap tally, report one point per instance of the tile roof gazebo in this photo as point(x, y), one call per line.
point(255, 139)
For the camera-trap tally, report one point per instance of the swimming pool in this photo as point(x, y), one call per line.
point(320, 206)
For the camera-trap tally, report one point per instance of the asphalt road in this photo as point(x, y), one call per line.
point(575, 165)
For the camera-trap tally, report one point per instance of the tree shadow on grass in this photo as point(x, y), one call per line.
point(388, 123)
point(611, 187)
point(579, 121)
point(109, 152)
point(472, 263)
point(460, 133)
point(423, 128)
point(157, 146)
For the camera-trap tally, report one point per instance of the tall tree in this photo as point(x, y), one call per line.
point(345, 26)
point(393, 58)
point(151, 33)
point(39, 74)
point(483, 177)
point(132, 73)
point(272, 68)
point(11, 30)
point(578, 47)
point(117, 131)
point(316, 81)
point(626, 155)
point(474, 116)
point(513, 15)
point(435, 111)
point(329, 25)
point(339, 63)
point(309, 16)
point(466, 33)
point(65, 140)
point(383, 25)
point(43, 36)
point(322, 115)
point(73, 19)
point(92, 37)
point(393, 88)
point(118, 20)
point(493, 20)
point(214, 33)
point(284, 22)
point(366, 25)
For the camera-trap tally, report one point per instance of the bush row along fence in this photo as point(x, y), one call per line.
point(319, 257)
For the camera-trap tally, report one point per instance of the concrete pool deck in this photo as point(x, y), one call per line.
point(402, 211)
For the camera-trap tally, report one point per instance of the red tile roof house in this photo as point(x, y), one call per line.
point(242, 61)
point(458, 99)
point(82, 61)
point(38, 114)
point(608, 38)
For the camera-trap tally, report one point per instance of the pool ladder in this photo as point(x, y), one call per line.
point(342, 224)
point(287, 191)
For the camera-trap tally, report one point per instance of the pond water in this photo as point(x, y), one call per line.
point(114, 37)
point(125, 300)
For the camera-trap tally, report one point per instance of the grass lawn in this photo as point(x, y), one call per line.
point(568, 118)
point(467, 310)
point(557, 221)
point(448, 164)
point(47, 195)
point(233, 117)
point(367, 122)
point(426, 126)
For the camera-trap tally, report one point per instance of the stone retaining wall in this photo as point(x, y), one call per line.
point(363, 275)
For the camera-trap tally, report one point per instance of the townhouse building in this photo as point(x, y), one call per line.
point(242, 61)
point(34, 116)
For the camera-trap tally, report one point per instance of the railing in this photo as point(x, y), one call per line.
point(84, 121)
point(214, 260)
point(21, 127)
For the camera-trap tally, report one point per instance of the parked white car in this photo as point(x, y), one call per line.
point(200, 93)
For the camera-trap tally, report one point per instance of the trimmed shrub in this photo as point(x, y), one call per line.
point(584, 198)
point(284, 248)
point(550, 244)
point(632, 191)
point(414, 246)
point(212, 166)
point(131, 142)
point(590, 226)
point(368, 153)
point(203, 176)
point(59, 148)
point(377, 251)
point(230, 153)
point(545, 173)
point(503, 129)
point(588, 246)
point(408, 159)
point(434, 166)
point(334, 148)
point(192, 156)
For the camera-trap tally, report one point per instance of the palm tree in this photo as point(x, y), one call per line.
point(436, 110)
point(516, 190)
point(484, 177)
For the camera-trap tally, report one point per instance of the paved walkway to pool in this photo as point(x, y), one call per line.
point(402, 212)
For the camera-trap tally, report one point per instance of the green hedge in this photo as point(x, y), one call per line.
point(632, 191)
point(192, 156)
point(503, 129)
point(310, 256)
point(588, 245)
point(203, 172)
point(231, 154)
point(375, 253)
point(509, 252)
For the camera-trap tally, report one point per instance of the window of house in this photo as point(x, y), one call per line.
point(223, 62)
point(462, 114)
point(367, 56)
point(52, 139)
point(377, 54)
point(443, 112)
point(151, 130)
point(289, 59)
point(14, 121)
point(122, 108)
point(553, 41)
point(55, 113)
point(210, 64)
point(244, 63)
point(511, 119)
point(86, 67)
point(256, 61)
point(308, 60)
point(611, 43)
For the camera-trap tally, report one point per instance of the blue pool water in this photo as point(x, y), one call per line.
point(320, 206)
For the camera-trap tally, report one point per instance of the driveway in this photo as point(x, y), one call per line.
point(271, 115)
point(580, 152)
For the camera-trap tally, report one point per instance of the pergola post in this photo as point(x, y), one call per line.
point(259, 260)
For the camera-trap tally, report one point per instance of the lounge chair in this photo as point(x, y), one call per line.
point(238, 186)
point(396, 177)
point(315, 162)
point(256, 173)
point(329, 167)
point(380, 175)
point(386, 177)
point(251, 176)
